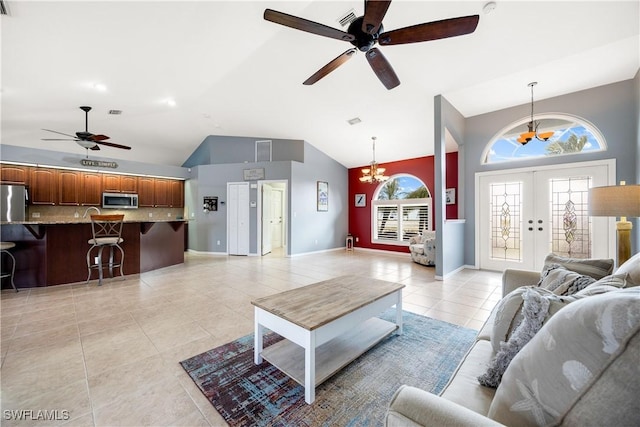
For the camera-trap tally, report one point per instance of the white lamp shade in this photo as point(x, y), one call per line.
point(615, 200)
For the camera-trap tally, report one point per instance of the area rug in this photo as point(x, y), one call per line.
point(424, 356)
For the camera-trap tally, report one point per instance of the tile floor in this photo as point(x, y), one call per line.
point(108, 356)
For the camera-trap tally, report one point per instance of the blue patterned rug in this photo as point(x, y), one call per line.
point(425, 356)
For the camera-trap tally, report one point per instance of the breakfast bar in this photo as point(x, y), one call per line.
point(54, 252)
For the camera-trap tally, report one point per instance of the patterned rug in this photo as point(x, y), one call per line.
point(425, 356)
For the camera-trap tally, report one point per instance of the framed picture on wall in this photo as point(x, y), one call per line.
point(323, 196)
point(450, 196)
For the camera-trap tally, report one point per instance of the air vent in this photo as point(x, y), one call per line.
point(354, 121)
point(347, 18)
point(3, 8)
point(115, 112)
point(263, 151)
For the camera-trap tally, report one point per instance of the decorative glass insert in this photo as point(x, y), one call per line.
point(506, 220)
point(571, 135)
point(401, 209)
point(571, 229)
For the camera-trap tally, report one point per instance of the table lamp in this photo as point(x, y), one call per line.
point(620, 201)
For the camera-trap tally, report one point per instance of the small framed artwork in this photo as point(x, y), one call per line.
point(361, 200)
point(450, 196)
point(323, 196)
point(253, 174)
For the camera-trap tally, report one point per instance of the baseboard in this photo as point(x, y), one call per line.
point(207, 252)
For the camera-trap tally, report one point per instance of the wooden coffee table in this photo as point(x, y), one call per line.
point(326, 325)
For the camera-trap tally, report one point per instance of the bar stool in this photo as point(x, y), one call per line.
point(107, 231)
point(4, 248)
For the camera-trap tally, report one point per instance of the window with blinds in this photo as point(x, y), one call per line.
point(396, 221)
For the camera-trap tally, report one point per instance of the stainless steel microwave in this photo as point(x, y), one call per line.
point(119, 201)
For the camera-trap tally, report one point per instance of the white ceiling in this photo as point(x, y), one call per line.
point(232, 73)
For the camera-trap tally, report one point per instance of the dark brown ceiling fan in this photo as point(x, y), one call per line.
point(86, 139)
point(367, 30)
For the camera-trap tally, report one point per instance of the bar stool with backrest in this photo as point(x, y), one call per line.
point(107, 232)
point(4, 248)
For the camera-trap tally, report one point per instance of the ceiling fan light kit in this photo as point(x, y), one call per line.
point(532, 126)
point(367, 30)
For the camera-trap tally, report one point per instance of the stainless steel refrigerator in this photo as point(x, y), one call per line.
point(13, 202)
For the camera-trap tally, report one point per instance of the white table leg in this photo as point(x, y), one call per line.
point(399, 312)
point(310, 368)
point(257, 338)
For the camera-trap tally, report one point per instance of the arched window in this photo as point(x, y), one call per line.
point(571, 135)
point(401, 209)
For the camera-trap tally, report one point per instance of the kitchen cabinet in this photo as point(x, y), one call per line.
point(161, 191)
point(146, 197)
point(111, 183)
point(14, 174)
point(91, 191)
point(129, 184)
point(69, 183)
point(177, 194)
point(43, 186)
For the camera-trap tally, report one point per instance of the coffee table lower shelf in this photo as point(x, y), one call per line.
point(331, 356)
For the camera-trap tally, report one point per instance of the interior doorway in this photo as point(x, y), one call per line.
point(272, 218)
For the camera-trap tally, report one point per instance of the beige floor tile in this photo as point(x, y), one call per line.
point(119, 345)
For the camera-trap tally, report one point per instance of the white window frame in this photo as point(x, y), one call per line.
point(399, 204)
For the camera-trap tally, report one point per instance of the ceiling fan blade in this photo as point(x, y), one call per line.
point(98, 137)
point(306, 25)
point(374, 11)
point(330, 67)
point(57, 139)
point(113, 144)
point(430, 31)
point(60, 133)
point(382, 68)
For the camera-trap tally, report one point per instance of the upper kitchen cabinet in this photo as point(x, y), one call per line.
point(177, 194)
point(91, 191)
point(162, 193)
point(14, 174)
point(146, 198)
point(112, 183)
point(43, 186)
point(77, 188)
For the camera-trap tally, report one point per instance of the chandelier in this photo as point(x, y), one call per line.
point(373, 173)
point(525, 137)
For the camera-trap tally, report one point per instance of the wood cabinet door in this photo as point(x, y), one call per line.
point(69, 183)
point(177, 194)
point(14, 174)
point(43, 185)
point(162, 192)
point(111, 183)
point(146, 196)
point(91, 192)
point(129, 184)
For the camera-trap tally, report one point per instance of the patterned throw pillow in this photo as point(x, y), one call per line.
point(562, 281)
point(538, 307)
point(596, 268)
point(606, 284)
point(508, 315)
point(580, 368)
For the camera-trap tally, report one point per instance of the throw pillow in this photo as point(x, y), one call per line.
point(581, 368)
point(606, 284)
point(538, 307)
point(508, 315)
point(562, 281)
point(596, 268)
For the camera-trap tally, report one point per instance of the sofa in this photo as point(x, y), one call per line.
point(423, 248)
point(575, 328)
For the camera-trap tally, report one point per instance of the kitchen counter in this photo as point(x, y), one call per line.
point(53, 251)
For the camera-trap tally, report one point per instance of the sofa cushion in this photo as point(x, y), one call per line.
point(606, 284)
point(562, 281)
point(508, 315)
point(463, 387)
point(596, 268)
point(578, 367)
point(538, 307)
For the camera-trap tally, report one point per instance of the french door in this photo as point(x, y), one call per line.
point(525, 215)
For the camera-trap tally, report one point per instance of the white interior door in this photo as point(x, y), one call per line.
point(523, 216)
point(238, 218)
point(267, 219)
point(277, 212)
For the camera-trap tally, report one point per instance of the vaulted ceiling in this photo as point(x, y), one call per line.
point(230, 72)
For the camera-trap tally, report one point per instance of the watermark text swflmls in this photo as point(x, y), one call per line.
point(36, 414)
